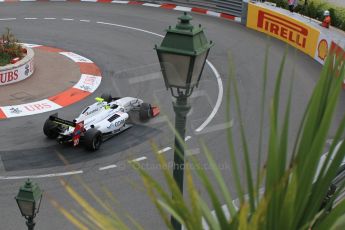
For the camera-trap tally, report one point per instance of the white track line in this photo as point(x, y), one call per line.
point(49, 18)
point(129, 27)
point(169, 148)
point(164, 150)
point(30, 18)
point(82, 20)
point(41, 176)
point(7, 19)
point(138, 159)
point(219, 99)
point(67, 19)
point(187, 138)
point(107, 167)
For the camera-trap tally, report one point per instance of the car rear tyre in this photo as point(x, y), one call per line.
point(50, 129)
point(93, 139)
point(107, 97)
point(145, 112)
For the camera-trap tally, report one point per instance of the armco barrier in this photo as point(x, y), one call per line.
point(232, 7)
point(19, 71)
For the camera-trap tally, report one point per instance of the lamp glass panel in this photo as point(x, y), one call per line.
point(26, 207)
point(198, 66)
point(176, 69)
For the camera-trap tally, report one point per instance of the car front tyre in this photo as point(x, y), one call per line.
point(145, 112)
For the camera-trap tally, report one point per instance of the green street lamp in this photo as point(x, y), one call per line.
point(182, 56)
point(29, 200)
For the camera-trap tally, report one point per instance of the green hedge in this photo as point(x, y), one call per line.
point(4, 59)
point(315, 8)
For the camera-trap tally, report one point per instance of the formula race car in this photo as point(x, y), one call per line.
point(98, 122)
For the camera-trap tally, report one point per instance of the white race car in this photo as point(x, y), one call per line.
point(103, 119)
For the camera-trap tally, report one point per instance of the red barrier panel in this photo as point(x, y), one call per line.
point(339, 53)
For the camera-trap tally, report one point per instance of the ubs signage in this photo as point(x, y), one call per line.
point(17, 73)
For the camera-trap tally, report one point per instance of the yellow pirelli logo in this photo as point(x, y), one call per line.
point(281, 26)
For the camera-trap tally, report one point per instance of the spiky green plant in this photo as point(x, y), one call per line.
point(293, 189)
point(9, 47)
point(295, 184)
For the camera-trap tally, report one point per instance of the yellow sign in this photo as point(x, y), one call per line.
point(289, 30)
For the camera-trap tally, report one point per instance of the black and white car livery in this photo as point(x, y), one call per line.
point(101, 120)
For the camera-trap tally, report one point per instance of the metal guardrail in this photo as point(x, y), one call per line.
point(233, 7)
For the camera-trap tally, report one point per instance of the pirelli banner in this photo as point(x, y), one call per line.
point(289, 30)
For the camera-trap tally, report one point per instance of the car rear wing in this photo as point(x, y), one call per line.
point(58, 120)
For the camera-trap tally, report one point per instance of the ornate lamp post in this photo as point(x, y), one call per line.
point(29, 200)
point(182, 56)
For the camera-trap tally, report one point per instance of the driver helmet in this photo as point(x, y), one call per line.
point(326, 13)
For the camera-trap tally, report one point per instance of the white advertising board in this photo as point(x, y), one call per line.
point(16, 74)
point(76, 57)
point(88, 83)
point(30, 108)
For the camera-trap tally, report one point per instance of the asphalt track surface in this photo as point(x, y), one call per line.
point(130, 68)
